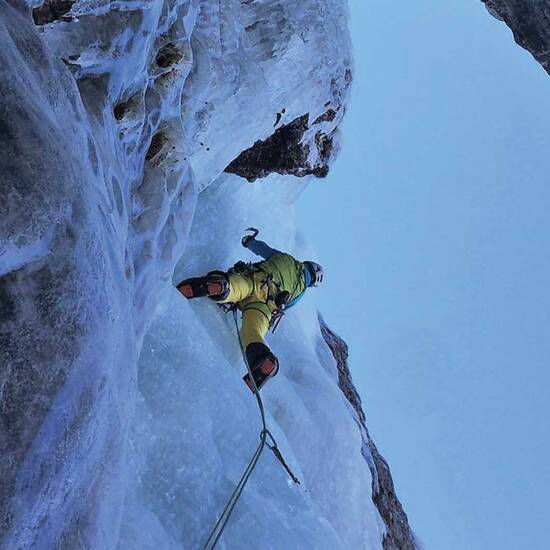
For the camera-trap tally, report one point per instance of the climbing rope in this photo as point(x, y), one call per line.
point(264, 434)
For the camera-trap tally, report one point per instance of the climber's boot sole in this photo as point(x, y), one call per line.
point(215, 289)
point(267, 368)
point(198, 287)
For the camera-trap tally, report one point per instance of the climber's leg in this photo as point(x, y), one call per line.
point(240, 287)
point(219, 286)
point(262, 362)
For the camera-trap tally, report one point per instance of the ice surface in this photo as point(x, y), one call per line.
point(115, 116)
point(197, 424)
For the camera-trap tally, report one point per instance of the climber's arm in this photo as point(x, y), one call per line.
point(259, 247)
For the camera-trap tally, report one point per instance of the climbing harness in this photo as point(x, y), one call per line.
point(242, 268)
point(276, 317)
point(264, 435)
point(279, 297)
point(281, 301)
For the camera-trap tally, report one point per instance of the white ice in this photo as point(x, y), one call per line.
point(197, 423)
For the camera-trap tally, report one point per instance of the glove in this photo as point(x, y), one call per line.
point(245, 241)
point(281, 300)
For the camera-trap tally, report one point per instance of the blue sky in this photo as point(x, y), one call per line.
point(435, 234)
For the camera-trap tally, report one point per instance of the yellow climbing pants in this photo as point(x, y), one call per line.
point(251, 293)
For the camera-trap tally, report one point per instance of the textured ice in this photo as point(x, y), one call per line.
point(125, 422)
point(197, 423)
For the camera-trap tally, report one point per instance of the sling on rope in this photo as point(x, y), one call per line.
point(264, 433)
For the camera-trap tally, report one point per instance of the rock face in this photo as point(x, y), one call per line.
point(530, 24)
point(399, 535)
point(289, 150)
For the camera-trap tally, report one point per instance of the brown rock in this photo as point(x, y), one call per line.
point(399, 534)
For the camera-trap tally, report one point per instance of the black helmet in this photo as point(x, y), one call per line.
point(316, 273)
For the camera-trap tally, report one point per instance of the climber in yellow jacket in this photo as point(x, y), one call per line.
point(262, 291)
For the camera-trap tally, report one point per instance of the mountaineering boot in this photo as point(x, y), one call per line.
point(262, 372)
point(215, 285)
point(263, 364)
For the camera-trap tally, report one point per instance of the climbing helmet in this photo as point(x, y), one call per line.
point(316, 273)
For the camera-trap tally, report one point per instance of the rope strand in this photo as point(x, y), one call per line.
point(264, 433)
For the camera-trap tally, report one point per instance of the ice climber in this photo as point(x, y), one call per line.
point(262, 291)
